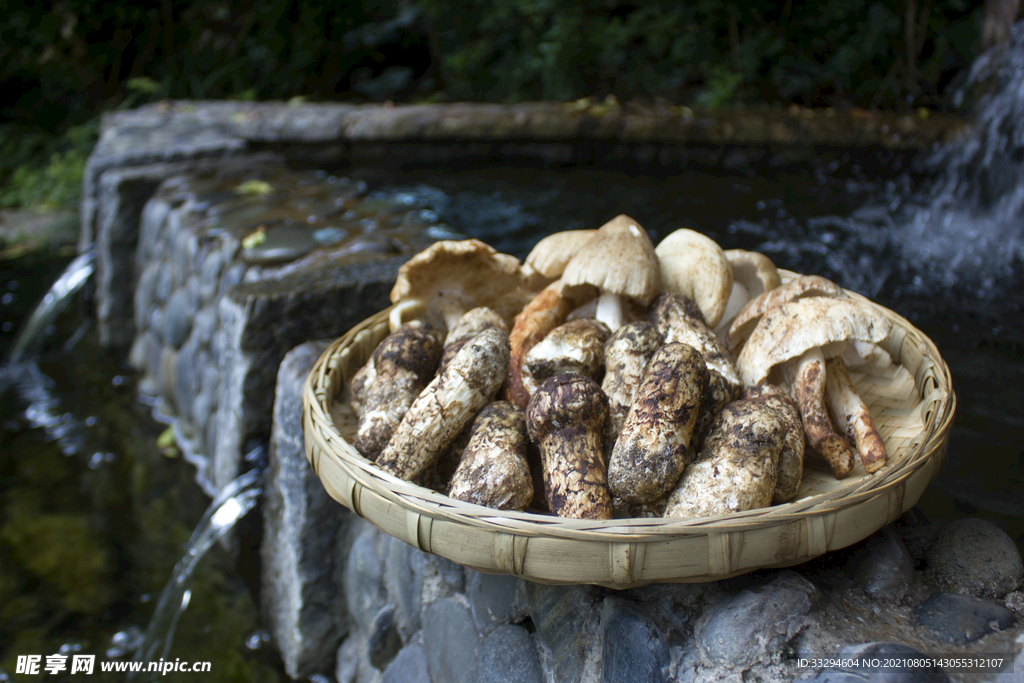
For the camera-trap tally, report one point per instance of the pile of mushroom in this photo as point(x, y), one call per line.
point(606, 377)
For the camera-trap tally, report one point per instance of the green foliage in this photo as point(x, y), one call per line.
point(710, 52)
point(41, 172)
point(67, 62)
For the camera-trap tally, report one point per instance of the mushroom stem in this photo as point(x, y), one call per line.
point(852, 416)
point(806, 377)
point(609, 310)
point(545, 312)
point(565, 418)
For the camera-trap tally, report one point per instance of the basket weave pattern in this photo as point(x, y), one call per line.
point(911, 399)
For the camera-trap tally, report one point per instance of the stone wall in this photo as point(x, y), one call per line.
point(228, 280)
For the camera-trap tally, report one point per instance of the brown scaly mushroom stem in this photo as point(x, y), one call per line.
point(545, 312)
point(791, 459)
point(677, 319)
point(402, 365)
point(654, 446)
point(565, 418)
point(447, 405)
point(360, 386)
point(738, 467)
point(577, 346)
point(472, 323)
point(806, 377)
point(852, 416)
point(493, 471)
point(626, 354)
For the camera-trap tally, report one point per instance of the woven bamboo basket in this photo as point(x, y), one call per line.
point(910, 397)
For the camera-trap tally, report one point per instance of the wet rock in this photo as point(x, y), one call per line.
point(1015, 602)
point(493, 599)
point(956, 618)
point(567, 621)
point(186, 385)
point(177, 320)
point(409, 666)
point(304, 605)
point(974, 557)
point(634, 649)
point(747, 627)
point(346, 666)
point(882, 567)
point(205, 324)
point(283, 243)
point(209, 276)
point(868, 654)
point(509, 656)
point(261, 321)
point(916, 531)
point(451, 641)
point(383, 641)
point(364, 577)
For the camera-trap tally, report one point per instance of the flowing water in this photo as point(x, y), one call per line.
point(81, 476)
point(227, 508)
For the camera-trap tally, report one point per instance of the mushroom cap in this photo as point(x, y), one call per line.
point(619, 258)
point(803, 286)
point(550, 256)
point(788, 330)
point(753, 270)
point(695, 266)
point(468, 272)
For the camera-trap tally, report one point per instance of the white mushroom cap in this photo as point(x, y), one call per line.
point(619, 258)
point(753, 270)
point(753, 273)
point(617, 261)
point(804, 286)
point(450, 277)
point(695, 266)
point(787, 331)
point(550, 256)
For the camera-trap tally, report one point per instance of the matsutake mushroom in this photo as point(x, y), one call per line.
point(653, 448)
point(626, 354)
point(493, 471)
point(798, 336)
point(791, 459)
point(548, 258)
point(449, 278)
point(447, 405)
point(472, 323)
point(618, 262)
point(543, 313)
point(753, 274)
point(383, 390)
point(798, 288)
point(695, 266)
point(565, 419)
point(737, 468)
point(577, 346)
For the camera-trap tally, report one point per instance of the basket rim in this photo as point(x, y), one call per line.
point(323, 434)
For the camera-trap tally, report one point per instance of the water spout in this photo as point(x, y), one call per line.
point(26, 343)
point(230, 505)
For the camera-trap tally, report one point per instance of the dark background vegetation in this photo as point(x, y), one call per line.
point(63, 64)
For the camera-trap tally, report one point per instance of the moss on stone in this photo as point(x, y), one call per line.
point(62, 550)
